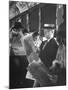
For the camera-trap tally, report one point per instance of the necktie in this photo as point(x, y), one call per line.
point(45, 44)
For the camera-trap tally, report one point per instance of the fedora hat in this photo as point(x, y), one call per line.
point(49, 26)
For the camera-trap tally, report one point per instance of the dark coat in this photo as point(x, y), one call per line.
point(48, 54)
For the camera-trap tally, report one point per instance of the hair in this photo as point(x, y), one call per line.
point(35, 34)
point(17, 26)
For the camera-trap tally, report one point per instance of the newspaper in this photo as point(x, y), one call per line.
point(30, 52)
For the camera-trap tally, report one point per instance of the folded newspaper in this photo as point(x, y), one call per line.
point(30, 52)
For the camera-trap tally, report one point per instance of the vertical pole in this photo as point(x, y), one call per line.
point(27, 22)
point(39, 19)
point(59, 15)
point(56, 17)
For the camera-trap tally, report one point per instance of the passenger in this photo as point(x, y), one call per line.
point(18, 62)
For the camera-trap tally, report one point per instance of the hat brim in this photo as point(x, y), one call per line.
point(48, 27)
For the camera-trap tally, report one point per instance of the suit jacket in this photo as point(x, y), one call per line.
point(48, 54)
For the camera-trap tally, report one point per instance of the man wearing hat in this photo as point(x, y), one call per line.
point(47, 54)
point(49, 49)
point(41, 71)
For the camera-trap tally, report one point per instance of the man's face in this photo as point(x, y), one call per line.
point(47, 33)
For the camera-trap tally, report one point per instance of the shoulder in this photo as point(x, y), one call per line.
point(54, 41)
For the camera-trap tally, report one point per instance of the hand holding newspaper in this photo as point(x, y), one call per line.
point(30, 52)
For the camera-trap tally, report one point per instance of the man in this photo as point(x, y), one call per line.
point(49, 49)
point(40, 70)
point(18, 61)
point(55, 53)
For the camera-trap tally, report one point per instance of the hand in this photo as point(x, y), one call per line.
point(19, 51)
point(53, 78)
